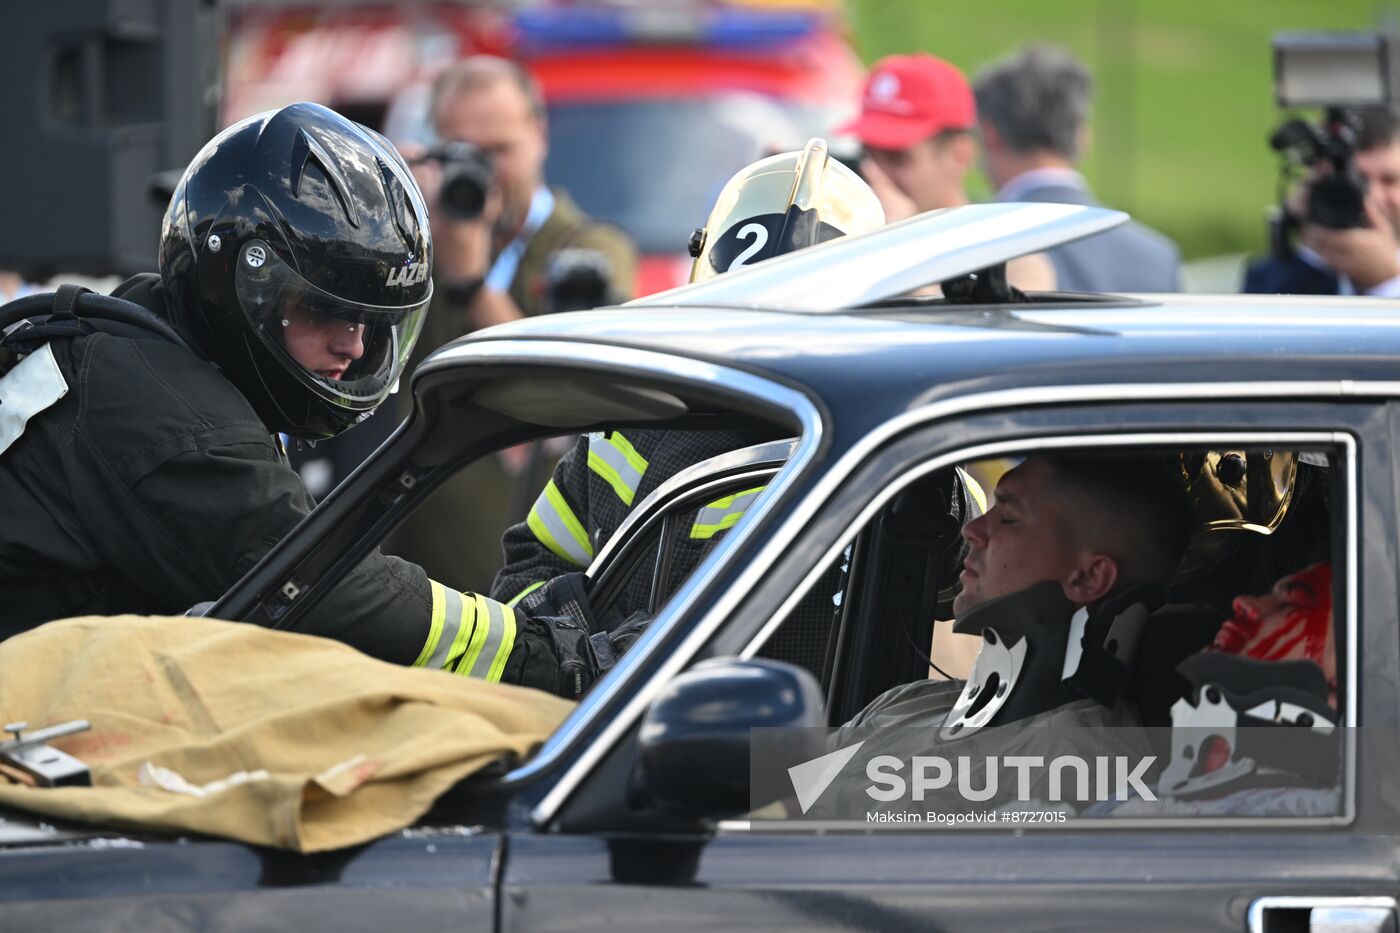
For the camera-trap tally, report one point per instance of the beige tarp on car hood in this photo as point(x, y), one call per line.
point(238, 731)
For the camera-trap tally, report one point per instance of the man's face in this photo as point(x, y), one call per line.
point(1381, 168)
point(930, 173)
point(1022, 540)
point(498, 119)
point(1291, 622)
point(324, 344)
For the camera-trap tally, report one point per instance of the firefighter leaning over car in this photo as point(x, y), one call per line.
point(139, 467)
point(776, 205)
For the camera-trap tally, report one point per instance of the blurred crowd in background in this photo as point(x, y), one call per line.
point(650, 110)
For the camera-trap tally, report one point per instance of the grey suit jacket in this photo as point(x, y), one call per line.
point(1130, 258)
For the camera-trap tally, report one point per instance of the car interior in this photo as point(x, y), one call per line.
point(1264, 528)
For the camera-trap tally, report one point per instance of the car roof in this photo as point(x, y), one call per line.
point(906, 352)
point(882, 354)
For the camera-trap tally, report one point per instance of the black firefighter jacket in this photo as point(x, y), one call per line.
point(151, 485)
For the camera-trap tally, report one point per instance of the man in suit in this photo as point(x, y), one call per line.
point(1032, 112)
point(1356, 261)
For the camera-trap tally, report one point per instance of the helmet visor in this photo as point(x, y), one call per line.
point(345, 351)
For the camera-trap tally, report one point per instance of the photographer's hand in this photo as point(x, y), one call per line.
point(1367, 256)
point(461, 249)
point(463, 252)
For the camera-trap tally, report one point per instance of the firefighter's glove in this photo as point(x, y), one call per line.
point(560, 615)
point(625, 635)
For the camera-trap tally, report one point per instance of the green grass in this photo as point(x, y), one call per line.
point(1184, 98)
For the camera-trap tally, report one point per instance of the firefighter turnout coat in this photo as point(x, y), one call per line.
point(137, 479)
point(592, 491)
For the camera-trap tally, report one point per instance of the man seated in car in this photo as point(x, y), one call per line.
point(1230, 756)
point(1060, 576)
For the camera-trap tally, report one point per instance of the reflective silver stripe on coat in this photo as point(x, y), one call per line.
point(487, 657)
point(451, 627)
point(554, 524)
point(34, 384)
point(617, 462)
point(723, 514)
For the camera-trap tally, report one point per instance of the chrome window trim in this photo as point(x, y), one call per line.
point(757, 387)
point(1078, 441)
point(804, 511)
point(758, 458)
point(698, 493)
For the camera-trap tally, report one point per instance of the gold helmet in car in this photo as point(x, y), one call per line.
point(1233, 491)
point(779, 204)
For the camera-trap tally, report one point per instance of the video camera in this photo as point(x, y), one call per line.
point(468, 174)
point(1338, 72)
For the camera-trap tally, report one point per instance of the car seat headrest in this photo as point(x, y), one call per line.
point(1173, 633)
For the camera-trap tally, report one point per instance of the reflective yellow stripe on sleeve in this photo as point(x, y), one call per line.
point(525, 592)
point(491, 643)
point(558, 528)
point(435, 625)
point(450, 626)
point(617, 462)
point(723, 514)
point(469, 634)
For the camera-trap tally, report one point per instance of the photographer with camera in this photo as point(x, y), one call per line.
point(508, 246)
point(1338, 232)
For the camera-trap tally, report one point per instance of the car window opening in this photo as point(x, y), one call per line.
point(1244, 634)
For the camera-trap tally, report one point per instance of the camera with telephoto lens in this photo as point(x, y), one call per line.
point(1337, 72)
point(468, 174)
point(576, 280)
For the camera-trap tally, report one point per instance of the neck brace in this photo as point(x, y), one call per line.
point(1225, 734)
point(1040, 651)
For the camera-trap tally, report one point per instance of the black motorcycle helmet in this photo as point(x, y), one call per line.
point(293, 229)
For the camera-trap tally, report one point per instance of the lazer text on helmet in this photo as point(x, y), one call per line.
point(412, 274)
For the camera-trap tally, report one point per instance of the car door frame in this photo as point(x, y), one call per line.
point(1197, 874)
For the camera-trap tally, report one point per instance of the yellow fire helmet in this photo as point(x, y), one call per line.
point(779, 204)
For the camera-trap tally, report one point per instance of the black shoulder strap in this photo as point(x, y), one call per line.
point(65, 301)
point(73, 311)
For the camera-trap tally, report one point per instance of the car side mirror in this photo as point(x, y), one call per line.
point(693, 748)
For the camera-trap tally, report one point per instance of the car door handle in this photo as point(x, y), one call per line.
point(1323, 914)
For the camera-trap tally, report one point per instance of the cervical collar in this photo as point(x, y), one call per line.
point(1040, 652)
point(1225, 735)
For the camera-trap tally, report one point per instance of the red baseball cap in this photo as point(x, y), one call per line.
point(911, 97)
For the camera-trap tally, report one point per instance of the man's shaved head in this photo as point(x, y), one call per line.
point(1095, 524)
point(1132, 507)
